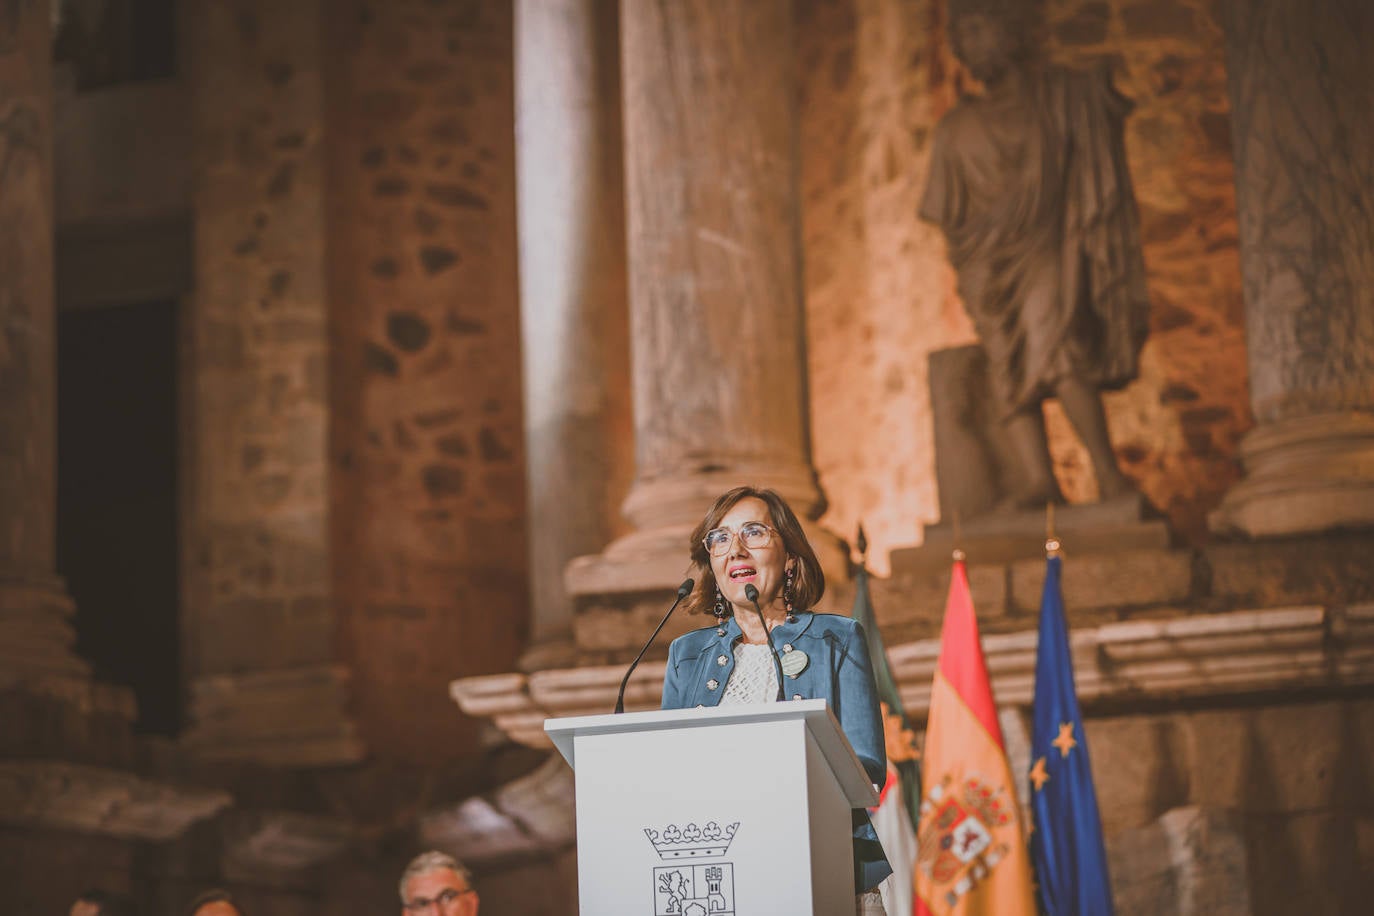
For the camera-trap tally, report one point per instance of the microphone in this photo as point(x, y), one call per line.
point(683, 591)
point(753, 595)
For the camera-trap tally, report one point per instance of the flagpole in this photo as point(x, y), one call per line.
point(958, 540)
point(1051, 541)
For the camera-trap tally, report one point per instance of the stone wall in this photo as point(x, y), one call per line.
point(1294, 779)
point(876, 78)
point(429, 485)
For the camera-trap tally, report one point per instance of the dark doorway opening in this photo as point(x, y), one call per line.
point(117, 542)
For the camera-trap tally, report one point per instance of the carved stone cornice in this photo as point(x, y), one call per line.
point(1225, 654)
point(88, 799)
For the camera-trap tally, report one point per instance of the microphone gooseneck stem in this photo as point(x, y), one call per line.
point(753, 595)
point(683, 591)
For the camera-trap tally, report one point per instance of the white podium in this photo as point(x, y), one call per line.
point(734, 811)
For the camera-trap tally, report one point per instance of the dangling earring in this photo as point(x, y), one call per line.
point(788, 577)
point(720, 606)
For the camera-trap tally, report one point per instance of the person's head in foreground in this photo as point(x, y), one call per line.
point(434, 882)
point(216, 902)
point(99, 903)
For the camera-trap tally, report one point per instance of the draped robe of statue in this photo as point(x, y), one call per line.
point(1034, 198)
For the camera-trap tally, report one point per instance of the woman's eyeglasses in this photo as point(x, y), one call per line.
point(443, 900)
point(753, 535)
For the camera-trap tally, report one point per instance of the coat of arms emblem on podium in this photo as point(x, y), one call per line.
point(690, 885)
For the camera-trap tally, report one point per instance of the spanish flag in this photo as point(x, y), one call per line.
point(971, 858)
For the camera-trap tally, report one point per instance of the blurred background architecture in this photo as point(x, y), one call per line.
point(365, 364)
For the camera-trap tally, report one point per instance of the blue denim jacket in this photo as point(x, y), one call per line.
point(837, 671)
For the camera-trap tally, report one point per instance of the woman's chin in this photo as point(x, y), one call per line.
point(738, 595)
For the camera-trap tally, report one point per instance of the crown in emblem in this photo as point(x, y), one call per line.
point(692, 842)
point(990, 804)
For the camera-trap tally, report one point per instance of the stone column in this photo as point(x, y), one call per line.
point(428, 484)
point(1301, 78)
point(716, 317)
point(574, 327)
point(260, 625)
point(35, 636)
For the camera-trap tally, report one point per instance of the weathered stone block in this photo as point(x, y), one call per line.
point(1128, 579)
point(1306, 863)
point(1334, 569)
point(1140, 769)
point(621, 628)
point(911, 605)
point(1192, 861)
point(1282, 758)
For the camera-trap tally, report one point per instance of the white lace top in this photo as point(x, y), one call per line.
point(754, 679)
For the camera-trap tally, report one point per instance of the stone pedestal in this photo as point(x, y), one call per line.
point(1300, 79)
point(35, 636)
point(716, 318)
point(288, 716)
point(574, 326)
point(260, 622)
point(1122, 524)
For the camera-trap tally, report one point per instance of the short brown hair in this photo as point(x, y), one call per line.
point(807, 587)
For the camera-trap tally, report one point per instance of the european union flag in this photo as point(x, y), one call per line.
point(1066, 845)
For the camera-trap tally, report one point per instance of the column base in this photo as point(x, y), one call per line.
point(657, 561)
point(289, 718)
point(642, 561)
point(681, 499)
point(1303, 475)
point(664, 510)
point(36, 636)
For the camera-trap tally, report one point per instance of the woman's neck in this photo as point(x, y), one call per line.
point(748, 620)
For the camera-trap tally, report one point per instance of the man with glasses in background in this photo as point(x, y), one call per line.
point(435, 883)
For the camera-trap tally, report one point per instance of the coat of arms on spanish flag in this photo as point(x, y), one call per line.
point(972, 858)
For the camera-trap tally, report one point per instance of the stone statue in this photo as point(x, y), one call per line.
point(1029, 183)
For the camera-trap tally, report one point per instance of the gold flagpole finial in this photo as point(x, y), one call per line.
point(1051, 540)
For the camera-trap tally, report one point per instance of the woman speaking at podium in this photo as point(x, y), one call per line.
point(752, 560)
